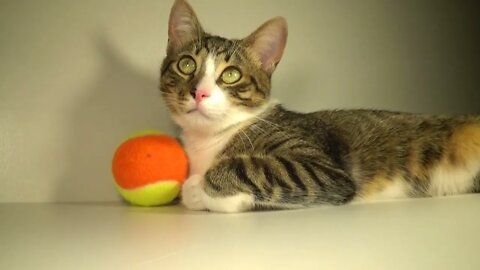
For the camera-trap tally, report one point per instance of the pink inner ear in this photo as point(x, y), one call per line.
point(179, 29)
point(271, 51)
point(269, 42)
point(183, 24)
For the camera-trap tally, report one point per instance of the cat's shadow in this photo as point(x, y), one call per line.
point(121, 100)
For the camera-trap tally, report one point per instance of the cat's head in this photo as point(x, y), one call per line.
point(209, 82)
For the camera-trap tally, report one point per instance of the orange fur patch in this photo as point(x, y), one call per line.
point(415, 167)
point(465, 145)
point(382, 188)
point(372, 187)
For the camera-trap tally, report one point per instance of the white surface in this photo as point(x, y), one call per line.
point(440, 233)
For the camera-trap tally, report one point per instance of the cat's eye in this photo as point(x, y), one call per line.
point(231, 75)
point(187, 65)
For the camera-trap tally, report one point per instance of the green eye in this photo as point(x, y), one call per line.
point(187, 65)
point(231, 75)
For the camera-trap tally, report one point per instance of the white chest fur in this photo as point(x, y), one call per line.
point(203, 148)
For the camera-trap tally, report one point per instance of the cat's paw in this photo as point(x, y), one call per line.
point(192, 193)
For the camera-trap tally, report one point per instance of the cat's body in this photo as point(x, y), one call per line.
point(246, 151)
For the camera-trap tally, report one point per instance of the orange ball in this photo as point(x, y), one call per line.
point(147, 161)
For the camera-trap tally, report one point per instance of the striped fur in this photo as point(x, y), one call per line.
point(248, 152)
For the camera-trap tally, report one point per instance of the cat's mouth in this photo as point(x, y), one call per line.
point(194, 110)
point(197, 111)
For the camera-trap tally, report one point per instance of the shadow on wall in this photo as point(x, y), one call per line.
point(120, 101)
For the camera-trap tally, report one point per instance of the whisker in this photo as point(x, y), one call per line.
point(235, 48)
point(268, 122)
point(253, 126)
point(244, 145)
point(248, 138)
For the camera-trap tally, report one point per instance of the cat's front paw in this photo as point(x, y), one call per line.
point(192, 193)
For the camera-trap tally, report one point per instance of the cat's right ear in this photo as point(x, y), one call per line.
point(183, 26)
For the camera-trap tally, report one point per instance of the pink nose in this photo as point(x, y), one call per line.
point(200, 95)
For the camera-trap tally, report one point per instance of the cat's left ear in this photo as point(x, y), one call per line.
point(268, 42)
point(183, 26)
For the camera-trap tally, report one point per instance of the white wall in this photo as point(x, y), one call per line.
point(76, 77)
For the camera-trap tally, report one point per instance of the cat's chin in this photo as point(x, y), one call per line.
point(201, 121)
point(200, 113)
point(197, 121)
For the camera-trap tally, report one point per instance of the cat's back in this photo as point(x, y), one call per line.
point(359, 128)
point(375, 146)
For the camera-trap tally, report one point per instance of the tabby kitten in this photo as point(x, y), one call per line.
point(247, 152)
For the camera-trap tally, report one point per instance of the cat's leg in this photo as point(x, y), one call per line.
point(243, 183)
point(195, 198)
point(192, 193)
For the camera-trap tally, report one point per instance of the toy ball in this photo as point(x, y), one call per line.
point(149, 169)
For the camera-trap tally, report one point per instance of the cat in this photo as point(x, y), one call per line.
point(247, 152)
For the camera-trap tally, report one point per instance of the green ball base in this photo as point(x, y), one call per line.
point(160, 193)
